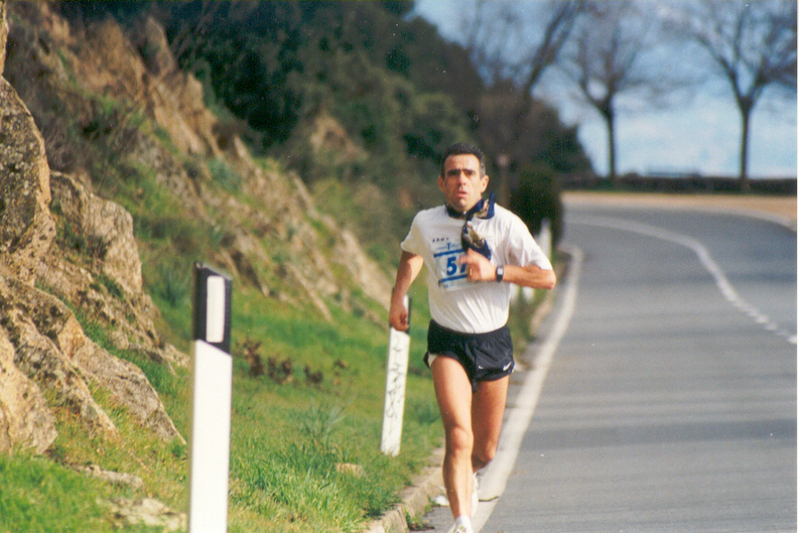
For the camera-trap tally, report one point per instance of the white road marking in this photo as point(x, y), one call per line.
point(495, 478)
point(723, 284)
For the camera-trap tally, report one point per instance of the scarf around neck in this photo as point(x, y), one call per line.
point(470, 239)
point(482, 209)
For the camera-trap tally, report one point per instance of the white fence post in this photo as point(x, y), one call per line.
point(545, 237)
point(212, 382)
point(544, 240)
point(396, 373)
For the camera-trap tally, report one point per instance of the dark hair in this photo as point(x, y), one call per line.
point(462, 149)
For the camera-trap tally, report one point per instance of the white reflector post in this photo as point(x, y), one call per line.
point(215, 310)
point(397, 369)
point(212, 381)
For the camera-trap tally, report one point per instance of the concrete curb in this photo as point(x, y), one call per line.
point(415, 499)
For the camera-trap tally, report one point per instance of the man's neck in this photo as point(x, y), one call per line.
point(457, 209)
point(481, 209)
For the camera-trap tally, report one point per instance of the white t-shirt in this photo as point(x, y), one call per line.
point(455, 302)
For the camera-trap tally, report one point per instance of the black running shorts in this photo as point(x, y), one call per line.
point(484, 356)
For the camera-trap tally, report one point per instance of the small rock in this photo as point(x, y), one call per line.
point(120, 478)
point(148, 512)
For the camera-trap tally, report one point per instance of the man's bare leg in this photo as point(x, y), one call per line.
point(488, 408)
point(454, 395)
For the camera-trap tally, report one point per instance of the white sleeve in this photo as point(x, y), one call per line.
point(522, 248)
point(413, 243)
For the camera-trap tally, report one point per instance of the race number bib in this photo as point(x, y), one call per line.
point(450, 275)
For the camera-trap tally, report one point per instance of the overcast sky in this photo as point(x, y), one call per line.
point(703, 136)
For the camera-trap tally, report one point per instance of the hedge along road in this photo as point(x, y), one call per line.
point(670, 394)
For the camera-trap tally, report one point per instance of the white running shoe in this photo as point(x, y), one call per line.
point(461, 525)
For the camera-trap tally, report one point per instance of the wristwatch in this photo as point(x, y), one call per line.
point(500, 273)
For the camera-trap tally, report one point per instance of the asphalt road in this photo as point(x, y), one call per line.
point(664, 395)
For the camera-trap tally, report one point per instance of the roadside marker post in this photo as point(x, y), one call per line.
point(212, 383)
point(544, 240)
point(396, 372)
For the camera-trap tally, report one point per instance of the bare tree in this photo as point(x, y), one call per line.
point(512, 44)
point(608, 57)
point(750, 44)
point(518, 41)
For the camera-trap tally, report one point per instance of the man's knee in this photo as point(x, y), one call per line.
point(483, 454)
point(460, 441)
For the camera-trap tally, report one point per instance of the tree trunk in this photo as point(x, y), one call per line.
point(504, 180)
point(611, 124)
point(743, 178)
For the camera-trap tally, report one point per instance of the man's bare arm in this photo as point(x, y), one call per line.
point(478, 268)
point(409, 267)
point(530, 276)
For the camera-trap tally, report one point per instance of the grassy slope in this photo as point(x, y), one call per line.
point(286, 439)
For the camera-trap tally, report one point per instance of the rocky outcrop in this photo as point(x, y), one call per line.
point(39, 328)
point(105, 225)
point(25, 418)
point(176, 97)
point(68, 254)
point(42, 345)
point(53, 350)
point(26, 231)
point(26, 226)
point(109, 286)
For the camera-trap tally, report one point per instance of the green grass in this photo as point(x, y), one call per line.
point(224, 176)
point(287, 440)
point(341, 417)
point(39, 495)
point(46, 493)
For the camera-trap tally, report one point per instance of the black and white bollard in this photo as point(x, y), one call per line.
point(212, 383)
point(397, 369)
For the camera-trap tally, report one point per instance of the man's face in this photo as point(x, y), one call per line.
point(461, 183)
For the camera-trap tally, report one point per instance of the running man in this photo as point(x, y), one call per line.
point(473, 249)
